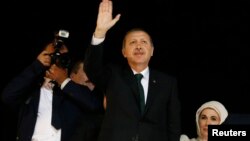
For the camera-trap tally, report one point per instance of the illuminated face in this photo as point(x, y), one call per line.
point(138, 48)
point(207, 117)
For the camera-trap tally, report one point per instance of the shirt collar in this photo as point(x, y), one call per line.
point(144, 72)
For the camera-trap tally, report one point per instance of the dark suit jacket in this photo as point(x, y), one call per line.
point(89, 127)
point(23, 92)
point(122, 120)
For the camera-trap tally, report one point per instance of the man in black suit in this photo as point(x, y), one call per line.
point(126, 119)
point(90, 125)
point(51, 104)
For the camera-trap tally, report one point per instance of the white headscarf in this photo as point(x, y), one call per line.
point(217, 106)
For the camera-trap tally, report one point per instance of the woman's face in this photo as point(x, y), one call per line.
point(207, 117)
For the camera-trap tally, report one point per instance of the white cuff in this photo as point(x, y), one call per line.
point(96, 41)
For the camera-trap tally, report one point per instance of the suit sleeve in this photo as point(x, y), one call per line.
point(83, 96)
point(94, 66)
point(174, 109)
point(17, 90)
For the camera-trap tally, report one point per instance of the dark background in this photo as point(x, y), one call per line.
point(204, 44)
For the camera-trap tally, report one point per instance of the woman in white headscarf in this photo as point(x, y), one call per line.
point(210, 113)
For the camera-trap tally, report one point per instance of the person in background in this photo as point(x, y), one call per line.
point(89, 128)
point(137, 110)
point(210, 113)
point(50, 104)
point(78, 75)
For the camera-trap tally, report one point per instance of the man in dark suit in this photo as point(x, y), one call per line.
point(126, 119)
point(49, 110)
point(90, 125)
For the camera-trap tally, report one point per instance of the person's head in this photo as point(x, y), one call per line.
point(78, 75)
point(210, 113)
point(57, 69)
point(51, 48)
point(137, 48)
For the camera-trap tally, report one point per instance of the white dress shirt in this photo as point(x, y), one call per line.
point(44, 131)
point(144, 81)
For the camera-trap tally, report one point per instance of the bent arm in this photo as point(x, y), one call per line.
point(17, 90)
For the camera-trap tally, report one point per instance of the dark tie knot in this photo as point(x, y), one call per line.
point(138, 77)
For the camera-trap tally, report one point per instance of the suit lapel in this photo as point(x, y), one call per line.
point(35, 101)
point(131, 82)
point(152, 90)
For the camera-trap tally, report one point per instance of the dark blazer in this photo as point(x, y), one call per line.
point(90, 125)
point(122, 120)
point(24, 92)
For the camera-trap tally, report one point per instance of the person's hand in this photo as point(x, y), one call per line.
point(105, 19)
point(44, 56)
point(90, 85)
point(57, 74)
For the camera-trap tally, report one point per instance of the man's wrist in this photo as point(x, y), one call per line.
point(96, 41)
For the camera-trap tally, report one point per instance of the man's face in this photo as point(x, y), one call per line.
point(138, 48)
point(80, 76)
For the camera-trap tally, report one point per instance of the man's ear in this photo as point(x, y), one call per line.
point(152, 53)
point(123, 53)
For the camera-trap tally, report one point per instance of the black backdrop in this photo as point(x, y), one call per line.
point(203, 43)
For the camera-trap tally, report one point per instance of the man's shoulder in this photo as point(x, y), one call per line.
point(162, 74)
